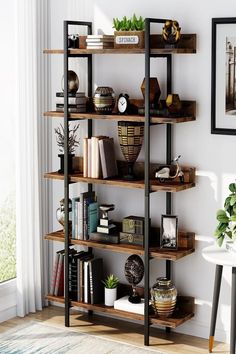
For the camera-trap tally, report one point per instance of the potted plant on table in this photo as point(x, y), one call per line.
point(72, 144)
point(111, 283)
point(129, 32)
point(226, 217)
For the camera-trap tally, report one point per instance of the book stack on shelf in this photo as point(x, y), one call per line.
point(76, 102)
point(100, 41)
point(84, 215)
point(85, 277)
point(99, 157)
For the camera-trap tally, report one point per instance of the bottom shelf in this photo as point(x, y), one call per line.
point(184, 312)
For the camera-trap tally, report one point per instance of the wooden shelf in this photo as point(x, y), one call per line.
point(180, 316)
point(189, 115)
point(155, 252)
point(186, 45)
point(155, 185)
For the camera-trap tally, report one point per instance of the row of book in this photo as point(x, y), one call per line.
point(99, 157)
point(84, 215)
point(76, 102)
point(102, 41)
point(85, 277)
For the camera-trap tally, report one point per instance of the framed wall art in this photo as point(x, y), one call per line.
point(223, 82)
point(169, 232)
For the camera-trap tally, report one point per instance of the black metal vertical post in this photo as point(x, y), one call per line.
point(66, 178)
point(90, 83)
point(168, 152)
point(147, 181)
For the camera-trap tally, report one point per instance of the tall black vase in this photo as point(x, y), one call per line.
point(70, 163)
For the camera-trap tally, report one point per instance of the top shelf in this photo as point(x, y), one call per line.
point(186, 45)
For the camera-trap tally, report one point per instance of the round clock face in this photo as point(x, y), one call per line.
point(122, 104)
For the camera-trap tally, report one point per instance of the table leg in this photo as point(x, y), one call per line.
point(233, 312)
point(216, 294)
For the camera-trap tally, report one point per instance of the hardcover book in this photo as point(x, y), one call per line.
point(108, 160)
point(124, 305)
point(95, 280)
point(98, 236)
point(59, 285)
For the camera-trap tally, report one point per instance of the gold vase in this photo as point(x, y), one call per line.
point(163, 297)
point(131, 139)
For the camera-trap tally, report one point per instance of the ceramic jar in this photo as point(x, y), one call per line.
point(163, 297)
point(104, 100)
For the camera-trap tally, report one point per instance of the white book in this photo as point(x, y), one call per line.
point(85, 155)
point(124, 305)
point(72, 100)
point(89, 158)
point(86, 282)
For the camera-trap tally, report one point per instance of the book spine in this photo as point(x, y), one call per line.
point(80, 221)
point(59, 271)
point(85, 159)
point(91, 282)
point(54, 274)
point(61, 290)
point(89, 158)
point(81, 279)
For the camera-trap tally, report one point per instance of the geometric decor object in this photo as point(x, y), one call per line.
point(134, 271)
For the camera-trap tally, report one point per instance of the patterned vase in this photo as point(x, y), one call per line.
point(131, 139)
point(163, 297)
point(104, 100)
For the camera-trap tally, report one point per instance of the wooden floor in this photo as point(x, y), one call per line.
point(122, 331)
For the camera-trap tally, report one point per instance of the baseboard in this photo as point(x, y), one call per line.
point(7, 314)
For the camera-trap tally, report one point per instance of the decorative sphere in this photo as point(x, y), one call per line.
point(73, 82)
point(134, 269)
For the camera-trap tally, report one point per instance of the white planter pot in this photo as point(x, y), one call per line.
point(110, 296)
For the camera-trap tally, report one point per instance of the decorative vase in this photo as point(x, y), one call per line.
point(163, 297)
point(60, 215)
point(131, 139)
point(104, 100)
point(155, 91)
point(110, 296)
point(70, 163)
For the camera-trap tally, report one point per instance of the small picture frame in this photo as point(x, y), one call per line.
point(169, 232)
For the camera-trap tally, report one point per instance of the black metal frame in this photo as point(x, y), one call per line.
point(214, 129)
point(147, 191)
point(148, 21)
point(66, 175)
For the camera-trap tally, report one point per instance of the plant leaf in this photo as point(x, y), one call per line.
point(232, 187)
point(220, 241)
point(233, 200)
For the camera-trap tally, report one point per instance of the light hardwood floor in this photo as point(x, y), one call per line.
point(121, 331)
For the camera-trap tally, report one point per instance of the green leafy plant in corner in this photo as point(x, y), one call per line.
point(227, 217)
point(111, 281)
point(129, 24)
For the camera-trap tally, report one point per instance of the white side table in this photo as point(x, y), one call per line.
point(220, 257)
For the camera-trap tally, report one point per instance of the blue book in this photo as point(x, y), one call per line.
point(92, 217)
point(75, 217)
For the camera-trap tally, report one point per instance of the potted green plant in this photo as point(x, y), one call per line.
point(111, 283)
point(72, 144)
point(227, 217)
point(129, 32)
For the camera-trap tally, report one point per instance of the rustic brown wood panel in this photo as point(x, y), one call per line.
point(188, 114)
point(155, 185)
point(155, 252)
point(180, 316)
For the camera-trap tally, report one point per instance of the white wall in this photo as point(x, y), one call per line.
point(211, 154)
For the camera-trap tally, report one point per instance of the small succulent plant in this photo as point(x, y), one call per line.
point(111, 281)
point(72, 138)
point(129, 24)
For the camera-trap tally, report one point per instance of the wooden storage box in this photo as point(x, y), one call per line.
point(129, 39)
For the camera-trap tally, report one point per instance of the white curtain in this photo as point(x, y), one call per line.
point(31, 132)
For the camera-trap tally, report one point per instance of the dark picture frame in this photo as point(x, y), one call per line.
point(223, 87)
point(169, 232)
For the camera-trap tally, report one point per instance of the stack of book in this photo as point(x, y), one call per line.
point(85, 277)
point(100, 41)
point(76, 102)
point(84, 215)
point(99, 157)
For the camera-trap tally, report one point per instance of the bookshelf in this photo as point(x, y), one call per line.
point(154, 48)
